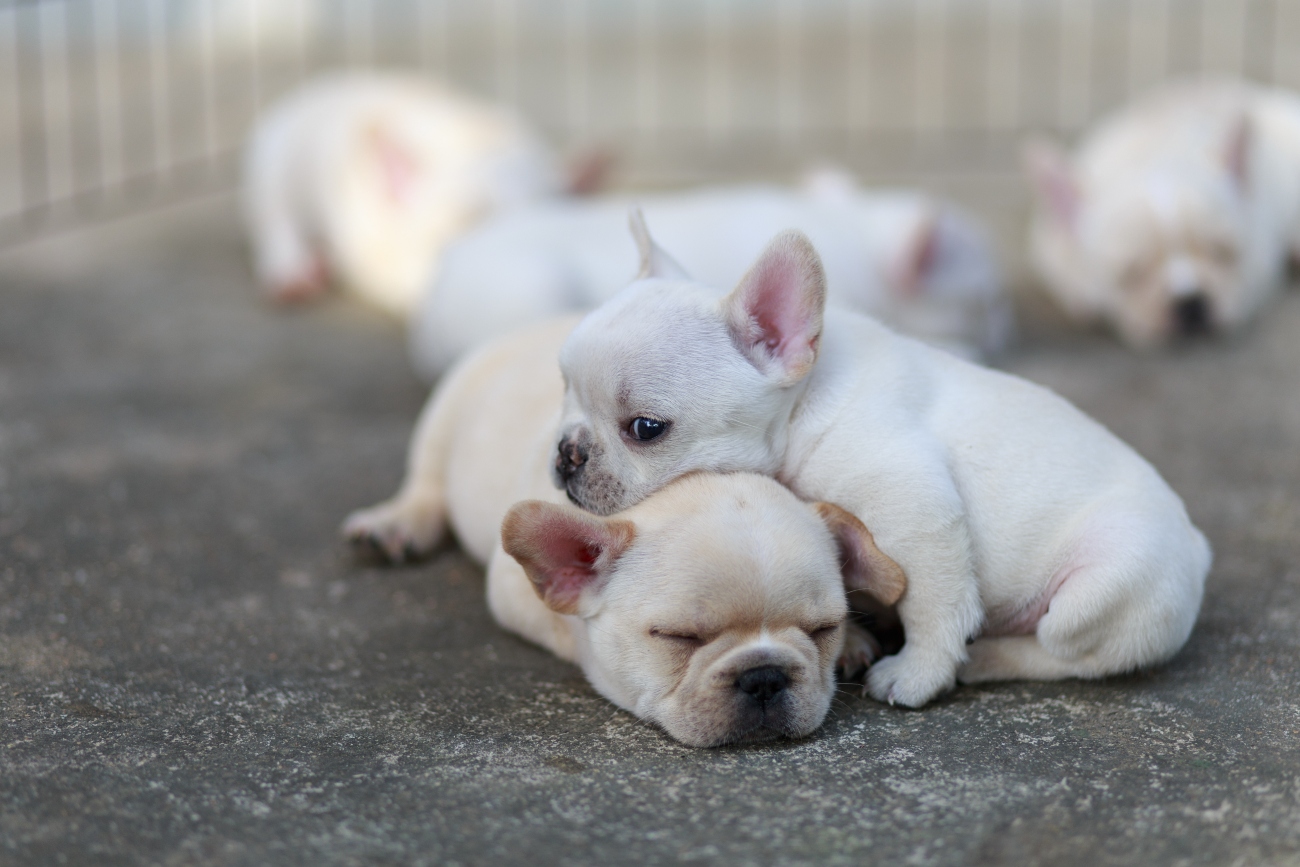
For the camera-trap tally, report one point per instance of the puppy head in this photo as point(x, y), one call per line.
point(1159, 251)
point(715, 608)
point(668, 377)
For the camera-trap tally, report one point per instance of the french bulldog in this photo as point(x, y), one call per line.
point(1036, 544)
point(361, 178)
point(714, 608)
point(918, 262)
point(1176, 215)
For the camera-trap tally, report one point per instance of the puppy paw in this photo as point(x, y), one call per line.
point(306, 285)
point(861, 649)
point(399, 530)
point(909, 679)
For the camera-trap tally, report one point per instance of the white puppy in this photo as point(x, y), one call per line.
point(1020, 523)
point(914, 261)
point(713, 608)
point(1175, 216)
point(363, 177)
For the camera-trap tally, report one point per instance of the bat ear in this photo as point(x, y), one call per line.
point(919, 255)
point(775, 313)
point(865, 567)
point(1051, 175)
point(655, 263)
point(565, 553)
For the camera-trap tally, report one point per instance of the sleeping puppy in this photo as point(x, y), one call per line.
point(1023, 526)
point(1175, 216)
point(917, 262)
point(361, 178)
point(714, 608)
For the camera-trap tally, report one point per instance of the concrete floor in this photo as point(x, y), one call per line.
point(193, 669)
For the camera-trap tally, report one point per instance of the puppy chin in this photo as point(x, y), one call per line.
point(600, 495)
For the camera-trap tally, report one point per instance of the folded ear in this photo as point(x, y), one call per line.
point(1052, 178)
point(775, 314)
point(655, 263)
point(865, 566)
point(564, 552)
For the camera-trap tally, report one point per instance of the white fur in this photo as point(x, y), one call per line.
point(1206, 174)
point(570, 255)
point(736, 559)
point(1008, 509)
point(363, 177)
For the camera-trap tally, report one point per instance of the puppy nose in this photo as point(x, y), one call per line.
point(570, 458)
point(1192, 314)
point(763, 683)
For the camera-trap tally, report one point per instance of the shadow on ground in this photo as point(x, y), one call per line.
point(194, 670)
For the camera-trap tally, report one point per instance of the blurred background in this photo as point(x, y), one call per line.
point(112, 106)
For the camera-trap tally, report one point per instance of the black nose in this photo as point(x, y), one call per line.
point(1192, 314)
point(764, 683)
point(570, 458)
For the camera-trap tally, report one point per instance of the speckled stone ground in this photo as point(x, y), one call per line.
point(193, 670)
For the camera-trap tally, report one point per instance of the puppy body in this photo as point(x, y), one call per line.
point(714, 608)
point(363, 177)
point(1176, 215)
point(1020, 522)
point(919, 263)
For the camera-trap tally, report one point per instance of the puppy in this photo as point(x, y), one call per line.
point(915, 261)
point(1176, 215)
point(714, 608)
point(1023, 526)
point(361, 178)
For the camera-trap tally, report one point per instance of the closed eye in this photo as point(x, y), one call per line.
point(684, 639)
point(821, 633)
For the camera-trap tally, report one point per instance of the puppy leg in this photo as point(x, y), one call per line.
point(939, 611)
point(861, 649)
point(1126, 598)
point(410, 524)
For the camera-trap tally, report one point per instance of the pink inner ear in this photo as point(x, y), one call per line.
point(775, 305)
point(568, 564)
point(919, 258)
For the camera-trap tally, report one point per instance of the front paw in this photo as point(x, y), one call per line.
point(400, 529)
point(910, 679)
point(861, 649)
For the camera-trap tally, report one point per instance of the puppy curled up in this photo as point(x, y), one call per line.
point(1036, 544)
point(714, 608)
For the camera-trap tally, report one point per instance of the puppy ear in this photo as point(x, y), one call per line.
point(655, 263)
point(1052, 177)
point(563, 551)
point(775, 314)
point(399, 167)
point(1236, 151)
point(865, 566)
point(919, 255)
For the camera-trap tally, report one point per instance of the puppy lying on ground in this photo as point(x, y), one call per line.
point(1176, 215)
point(1022, 525)
point(362, 177)
point(714, 608)
point(905, 257)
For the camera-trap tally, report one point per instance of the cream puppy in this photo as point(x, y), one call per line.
point(1022, 525)
point(714, 608)
point(363, 177)
point(910, 259)
point(1176, 215)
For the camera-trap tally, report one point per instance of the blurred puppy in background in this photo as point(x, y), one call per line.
point(916, 262)
point(361, 178)
point(715, 608)
point(1176, 215)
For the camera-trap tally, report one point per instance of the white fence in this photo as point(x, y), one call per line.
point(108, 105)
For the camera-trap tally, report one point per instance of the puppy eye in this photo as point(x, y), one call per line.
point(645, 429)
point(685, 639)
point(821, 632)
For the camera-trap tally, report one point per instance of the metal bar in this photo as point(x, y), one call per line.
point(789, 53)
point(577, 68)
point(108, 102)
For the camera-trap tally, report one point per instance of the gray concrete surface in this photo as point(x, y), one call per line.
point(193, 670)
